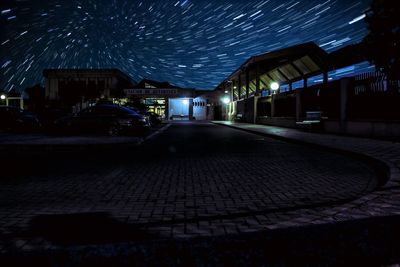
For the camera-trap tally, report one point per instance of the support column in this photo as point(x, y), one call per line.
point(257, 80)
point(191, 109)
point(344, 87)
point(325, 77)
point(47, 89)
point(53, 94)
point(255, 109)
point(232, 89)
point(239, 87)
point(166, 111)
point(247, 83)
point(299, 108)
point(273, 105)
point(298, 105)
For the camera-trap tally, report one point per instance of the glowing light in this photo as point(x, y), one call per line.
point(185, 102)
point(274, 86)
point(3, 97)
point(226, 100)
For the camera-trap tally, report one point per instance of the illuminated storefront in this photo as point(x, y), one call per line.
point(164, 99)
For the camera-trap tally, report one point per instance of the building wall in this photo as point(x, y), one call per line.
point(200, 111)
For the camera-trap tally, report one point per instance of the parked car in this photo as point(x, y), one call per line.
point(144, 114)
point(49, 115)
point(16, 119)
point(153, 118)
point(109, 119)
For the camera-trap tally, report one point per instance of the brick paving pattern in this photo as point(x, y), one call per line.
point(198, 179)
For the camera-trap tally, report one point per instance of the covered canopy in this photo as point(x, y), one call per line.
point(285, 65)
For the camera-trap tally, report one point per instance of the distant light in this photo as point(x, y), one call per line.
point(274, 86)
point(226, 100)
point(3, 97)
point(185, 102)
point(226, 91)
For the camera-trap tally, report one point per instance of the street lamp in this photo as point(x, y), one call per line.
point(226, 100)
point(3, 97)
point(274, 86)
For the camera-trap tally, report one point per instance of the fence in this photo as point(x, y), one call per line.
point(372, 96)
point(369, 96)
point(321, 97)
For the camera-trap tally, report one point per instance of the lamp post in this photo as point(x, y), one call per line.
point(274, 87)
point(3, 99)
point(226, 101)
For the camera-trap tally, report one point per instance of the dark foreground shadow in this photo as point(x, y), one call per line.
point(368, 242)
point(85, 229)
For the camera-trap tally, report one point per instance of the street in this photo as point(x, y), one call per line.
point(193, 171)
point(195, 179)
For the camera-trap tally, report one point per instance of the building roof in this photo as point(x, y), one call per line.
point(288, 64)
point(87, 72)
point(298, 62)
point(156, 84)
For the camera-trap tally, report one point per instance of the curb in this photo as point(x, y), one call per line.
point(382, 168)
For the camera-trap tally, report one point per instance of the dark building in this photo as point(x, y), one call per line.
point(78, 88)
point(75, 89)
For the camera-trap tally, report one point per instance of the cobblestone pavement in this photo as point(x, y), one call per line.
point(382, 202)
point(195, 179)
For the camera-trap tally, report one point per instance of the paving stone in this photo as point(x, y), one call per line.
point(207, 187)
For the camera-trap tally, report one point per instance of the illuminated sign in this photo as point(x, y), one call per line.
point(157, 91)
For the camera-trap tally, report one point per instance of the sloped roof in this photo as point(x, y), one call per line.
point(156, 84)
point(287, 64)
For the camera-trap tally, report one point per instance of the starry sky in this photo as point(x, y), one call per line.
point(190, 43)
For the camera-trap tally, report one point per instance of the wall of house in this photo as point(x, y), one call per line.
point(200, 111)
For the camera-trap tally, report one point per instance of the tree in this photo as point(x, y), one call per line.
point(383, 40)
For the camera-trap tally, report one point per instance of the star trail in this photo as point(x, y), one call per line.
point(190, 43)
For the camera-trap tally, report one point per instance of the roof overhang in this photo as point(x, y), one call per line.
point(286, 65)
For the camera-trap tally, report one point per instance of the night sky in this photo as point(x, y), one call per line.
point(190, 43)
